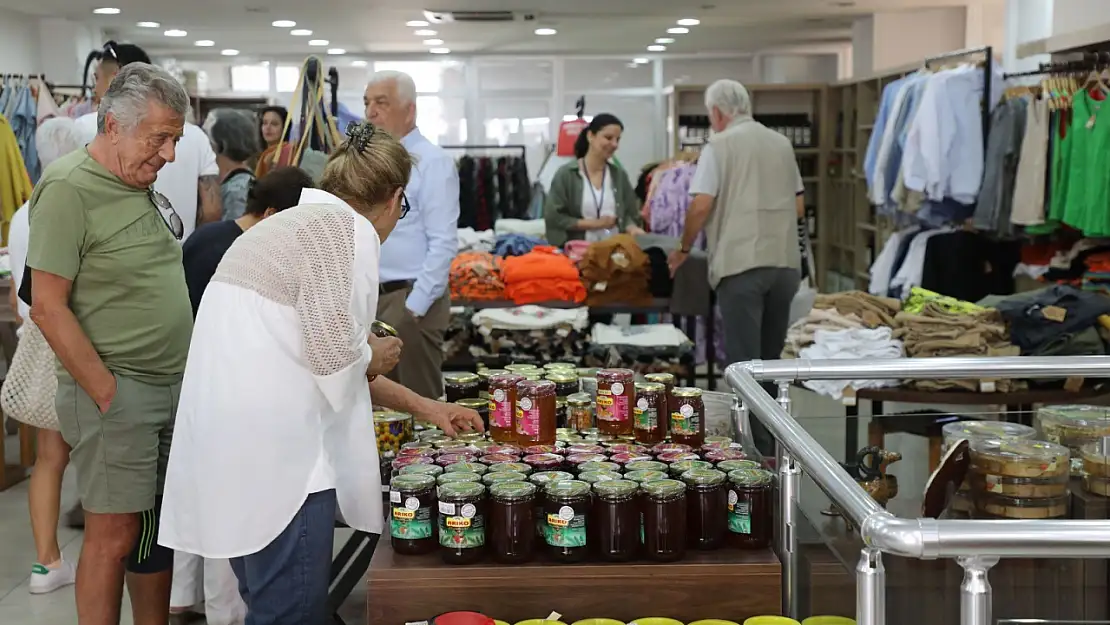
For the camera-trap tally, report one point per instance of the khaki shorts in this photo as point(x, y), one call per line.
point(120, 456)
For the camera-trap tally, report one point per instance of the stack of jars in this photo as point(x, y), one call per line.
point(1018, 479)
point(972, 431)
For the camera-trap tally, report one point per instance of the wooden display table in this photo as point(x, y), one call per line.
point(725, 584)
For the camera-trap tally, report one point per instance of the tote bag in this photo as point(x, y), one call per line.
point(29, 389)
point(807, 290)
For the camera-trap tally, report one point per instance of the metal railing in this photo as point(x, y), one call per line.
point(976, 545)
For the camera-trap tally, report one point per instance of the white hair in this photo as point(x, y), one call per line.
point(55, 138)
point(406, 88)
point(134, 89)
point(729, 97)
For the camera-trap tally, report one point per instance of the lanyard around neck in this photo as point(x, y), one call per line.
point(599, 199)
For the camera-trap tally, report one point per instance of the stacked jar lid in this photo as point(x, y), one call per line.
point(1018, 479)
point(1095, 459)
point(972, 431)
point(1073, 427)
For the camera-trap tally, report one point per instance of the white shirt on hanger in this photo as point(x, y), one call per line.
point(597, 203)
point(913, 267)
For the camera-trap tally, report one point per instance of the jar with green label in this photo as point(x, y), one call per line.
point(512, 533)
point(433, 470)
point(664, 528)
point(541, 479)
point(460, 476)
point(412, 502)
point(490, 479)
point(462, 522)
point(688, 417)
point(617, 520)
point(566, 515)
point(706, 508)
point(749, 508)
point(649, 415)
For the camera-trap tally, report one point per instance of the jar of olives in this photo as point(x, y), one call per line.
point(412, 500)
point(512, 520)
point(462, 522)
point(664, 520)
point(566, 513)
point(457, 386)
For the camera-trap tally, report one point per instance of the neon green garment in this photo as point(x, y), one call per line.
point(919, 297)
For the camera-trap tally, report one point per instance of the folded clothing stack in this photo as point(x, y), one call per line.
point(871, 310)
point(471, 240)
point(804, 331)
point(542, 275)
point(515, 244)
point(616, 271)
point(476, 276)
point(529, 334)
point(852, 343)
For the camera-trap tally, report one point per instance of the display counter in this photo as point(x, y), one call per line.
point(725, 584)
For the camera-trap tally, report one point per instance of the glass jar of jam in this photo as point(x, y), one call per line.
point(749, 508)
point(466, 467)
point(616, 395)
point(616, 447)
point(645, 465)
point(664, 520)
point(481, 406)
point(448, 444)
point(541, 480)
point(455, 478)
point(575, 461)
point(502, 406)
point(532, 450)
point(566, 382)
point(433, 470)
point(416, 446)
point(544, 462)
point(561, 366)
point(535, 413)
point(515, 467)
point(676, 469)
point(668, 381)
point(566, 513)
point(706, 508)
point(601, 466)
point(512, 532)
point(491, 459)
point(664, 448)
point(489, 479)
point(429, 434)
point(672, 457)
point(688, 417)
point(412, 500)
point(593, 477)
point(721, 455)
point(616, 519)
point(458, 386)
point(728, 466)
point(649, 422)
point(405, 461)
point(484, 376)
point(584, 448)
point(462, 522)
point(624, 458)
point(522, 368)
point(503, 449)
point(445, 460)
point(648, 475)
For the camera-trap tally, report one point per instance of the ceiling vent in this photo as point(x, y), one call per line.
point(477, 17)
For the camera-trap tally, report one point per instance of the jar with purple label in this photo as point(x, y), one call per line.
point(575, 461)
point(444, 460)
point(532, 450)
point(672, 457)
point(627, 448)
point(583, 448)
point(623, 458)
point(502, 406)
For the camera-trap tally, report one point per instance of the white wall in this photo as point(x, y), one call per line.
point(863, 46)
point(19, 43)
point(64, 45)
point(986, 25)
point(905, 37)
point(1026, 20)
point(786, 68)
point(1072, 15)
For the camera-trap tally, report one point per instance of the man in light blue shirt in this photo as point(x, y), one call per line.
point(416, 259)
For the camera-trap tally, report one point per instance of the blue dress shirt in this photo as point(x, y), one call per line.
point(425, 242)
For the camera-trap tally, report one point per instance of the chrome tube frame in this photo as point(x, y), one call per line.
point(870, 588)
point(790, 483)
point(975, 591)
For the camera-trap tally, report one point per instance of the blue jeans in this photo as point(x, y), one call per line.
point(287, 582)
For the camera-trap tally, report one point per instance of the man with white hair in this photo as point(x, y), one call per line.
point(747, 195)
point(416, 259)
point(108, 291)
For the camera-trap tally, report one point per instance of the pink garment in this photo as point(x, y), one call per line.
point(576, 250)
point(46, 106)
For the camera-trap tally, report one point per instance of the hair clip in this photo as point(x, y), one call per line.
point(250, 188)
point(359, 134)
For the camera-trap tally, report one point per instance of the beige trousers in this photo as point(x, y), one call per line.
point(421, 366)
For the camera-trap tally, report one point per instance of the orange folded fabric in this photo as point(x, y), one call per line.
point(476, 276)
point(542, 275)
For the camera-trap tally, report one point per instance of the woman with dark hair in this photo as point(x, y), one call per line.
point(271, 123)
point(591, 198)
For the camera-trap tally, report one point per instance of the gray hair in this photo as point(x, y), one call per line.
point(55, 138)
point(406, 88)
point(134, 89)
point(729, 97)
point(233, 132)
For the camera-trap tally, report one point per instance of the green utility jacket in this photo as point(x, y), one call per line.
point(562, 207)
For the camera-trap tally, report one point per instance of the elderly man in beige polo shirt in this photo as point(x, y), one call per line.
point(747, 195)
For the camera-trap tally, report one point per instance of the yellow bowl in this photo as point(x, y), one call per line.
point(829, 620)
point(655, 620)
point(714, 621)
point(540, 621)
point(496, 622)
point(771, 620)
point(598, 621)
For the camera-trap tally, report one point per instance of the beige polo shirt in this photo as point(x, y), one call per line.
point(752, 172)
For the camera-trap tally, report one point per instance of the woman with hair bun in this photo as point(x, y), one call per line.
point(591, 198)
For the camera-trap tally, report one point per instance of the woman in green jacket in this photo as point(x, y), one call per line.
point(607, 205)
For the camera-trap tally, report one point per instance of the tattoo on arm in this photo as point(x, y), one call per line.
point(208, 187)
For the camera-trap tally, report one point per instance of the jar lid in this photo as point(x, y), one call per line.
point(717, 439)
point(592, 477)
point(616, 373)
point(663, 489)
point(503, 449)
point(586, 372)
point(544, 460)
point(751, 477)
point(650, 387)
point(580, 459)
point(462, 490)
point(971, 430)
point(412, 482)
point(533, 450)
point(405, 461)
point(619, 446)
point(412, 451)
point(567, 488)
point(686, 392)
point(661, 378)
point(452, 458)
point(728, 466)
point(435, 437)
point(535, 387)
point(449, 443)
point(722, 455)
point(682, 466)
point(498, 458)
point(645, 465)
point(561, 376)
point(616, 489)
point(626, 457)
point(433, 470)
point(1079, 416)
point(470, 437)
point(462, 377)
point(481, 445)
point(486, 374)
point(466, 467)
point(503, 476)
point(391, 417)
point(568, 366)
point(1018, 449)
point(512, 491)
point(585, 448)
point(600, 466)
point(672, 457)
point(663, 448)
point(515, 467)
point(546, 477)
point(506, 379)
point(521, 366)
point(379, 328)
point(532, 376)
point(704, 477)
point(455, 478)
point(473, 403)
point(645, 476)
point(416, 445)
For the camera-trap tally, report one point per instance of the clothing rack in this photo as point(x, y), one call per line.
point(988, 58)
point(1090, 62)
point(492, 147)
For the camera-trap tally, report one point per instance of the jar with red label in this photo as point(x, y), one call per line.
point(616, 395)
point(663, 448)
point(535, 413)
point(502, 406)
point(649, 421)
point(688, 417)
point(623, 458)
point(544, 462)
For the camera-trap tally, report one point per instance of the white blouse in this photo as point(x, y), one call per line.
point(275, 404)
point(597, 203)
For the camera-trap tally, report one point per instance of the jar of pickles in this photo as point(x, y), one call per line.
point(566, 513)
point(462, 522)
point(649, 420)
point(688, 417)
point(535, 413)
point(617, 520)
point(706, 508)
point(502, 407)
point(664, 520)
point(512, 521)
point(458, 386)
point(566, 382)
point(412, 501)
point(749, 508)
point(616, 395)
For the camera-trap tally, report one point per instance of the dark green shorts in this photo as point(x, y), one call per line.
point(120, 456)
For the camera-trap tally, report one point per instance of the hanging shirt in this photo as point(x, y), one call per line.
point(1087, 203)
point(1029, 188)
point(19, 236)
point(598, 203)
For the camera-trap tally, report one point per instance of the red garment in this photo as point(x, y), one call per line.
point(542, 275)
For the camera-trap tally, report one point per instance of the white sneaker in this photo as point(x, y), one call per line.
point(44, 580)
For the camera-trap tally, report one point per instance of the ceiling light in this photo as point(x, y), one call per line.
point(358, 63)
point(416, 24)
point(656, 48)
point(106, 11)
point(229, 52)
point(204, 43)
point(173, 32)
point(440, 51)
point(283, 23)
point(664, 40)
point(689, 21)
point(300, 32)
point(148, 24)
point(318, 42)
point(433, 42)
point(424, 33)
point(678, 30)
point(545, 32)
point(639, 60)
point(336, 51)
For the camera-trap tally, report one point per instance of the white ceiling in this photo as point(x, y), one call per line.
point(378, 26)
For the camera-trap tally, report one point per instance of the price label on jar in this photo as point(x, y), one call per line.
point(394, 496)
point(446, 508)
point(412, 503)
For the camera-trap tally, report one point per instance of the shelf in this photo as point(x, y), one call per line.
point(811, 179)
point(807, 151)
point(867, 227)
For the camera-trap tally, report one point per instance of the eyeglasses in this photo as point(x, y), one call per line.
point(169, 215)
point(405, 207)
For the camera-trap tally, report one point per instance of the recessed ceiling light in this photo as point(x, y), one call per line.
point(300, 32)
point(657, 48)
point(283, 23)
point(688, 21)
point(440, 51)
point(148, 24)
point(318, 42)
point(106, 11)
point(664, 40)
point(433, 42)
point(416, 24)
point(336, 51)
point(173, 32)
point(424, 33)
point(229, 52)
point(545, 32)
point(204, 43)
point(678, 30)
point(358, 63)
point(639, 60)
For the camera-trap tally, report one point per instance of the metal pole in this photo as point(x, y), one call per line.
point(870, 588)
point(790, 477)
point(975, 591)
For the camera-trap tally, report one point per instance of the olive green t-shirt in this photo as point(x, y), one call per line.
point(129, 292)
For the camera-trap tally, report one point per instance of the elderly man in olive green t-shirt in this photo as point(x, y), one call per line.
point(109, 294)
